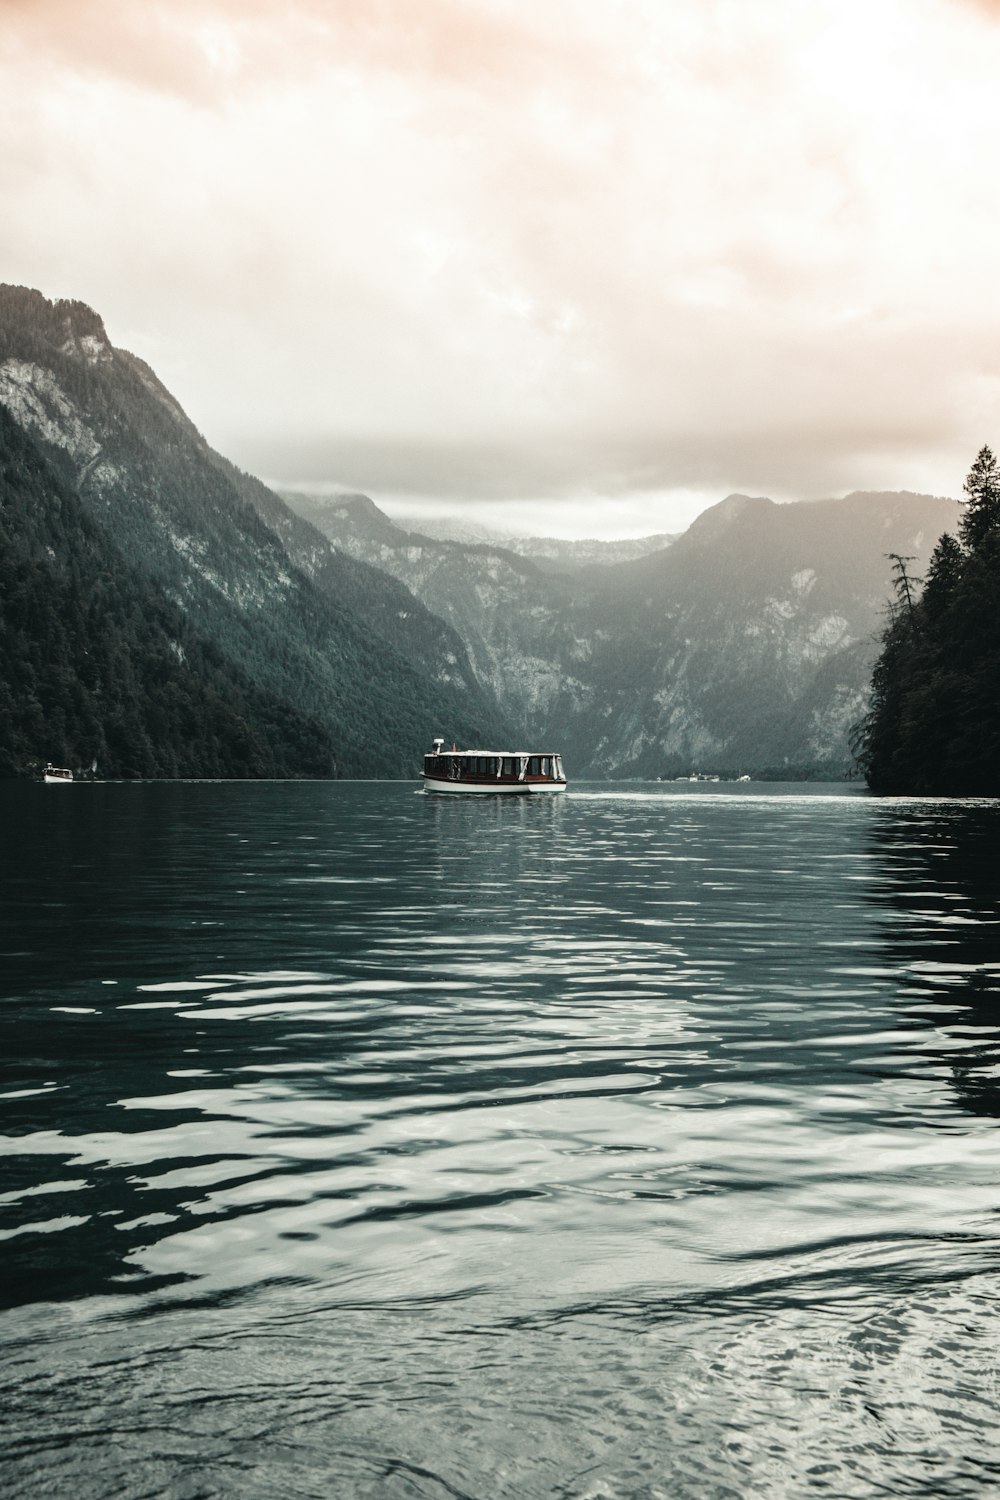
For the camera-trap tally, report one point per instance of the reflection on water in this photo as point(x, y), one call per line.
point(636, 1143)
point(941, 866)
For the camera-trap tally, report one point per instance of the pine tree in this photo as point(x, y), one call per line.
point(944, 573)
point(904, 585)
point(982, 506)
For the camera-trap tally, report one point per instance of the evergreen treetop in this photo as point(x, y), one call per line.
point(982, 505)
point(944, 572)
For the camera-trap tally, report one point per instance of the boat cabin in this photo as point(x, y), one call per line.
point(492, 771)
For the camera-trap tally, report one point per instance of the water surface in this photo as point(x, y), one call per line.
point(637, 1143)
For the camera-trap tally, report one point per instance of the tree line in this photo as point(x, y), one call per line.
point(933, 723)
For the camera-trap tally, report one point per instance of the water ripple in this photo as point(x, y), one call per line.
point(638, 1144)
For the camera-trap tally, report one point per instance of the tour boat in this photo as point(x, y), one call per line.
point(507, 772)
point(55, 774)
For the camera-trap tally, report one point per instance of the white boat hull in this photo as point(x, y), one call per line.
point(501, 789)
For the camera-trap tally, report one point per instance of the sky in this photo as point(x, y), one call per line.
point(579, 266)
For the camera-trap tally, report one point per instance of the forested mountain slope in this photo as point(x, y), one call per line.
point(505, 607)
point(337, 640)
point(97, 665)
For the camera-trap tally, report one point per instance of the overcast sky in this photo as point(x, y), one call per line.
point(620, 257)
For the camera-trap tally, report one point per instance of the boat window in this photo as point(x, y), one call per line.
point(508, 765)
point(533, 765)
point(546, 766)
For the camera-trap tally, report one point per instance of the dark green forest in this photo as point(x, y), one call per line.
point(933, 726)
point(96, 664)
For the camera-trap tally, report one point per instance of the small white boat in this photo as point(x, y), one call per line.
point(57, 775)
point(493, 772)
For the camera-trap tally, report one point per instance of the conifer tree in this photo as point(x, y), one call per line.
point(904, 585)
point(944, 572)
point(982, 506)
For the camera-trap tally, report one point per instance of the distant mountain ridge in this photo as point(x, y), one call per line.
point(341, 513)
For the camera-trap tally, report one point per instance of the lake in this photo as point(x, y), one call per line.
point(637, 1143)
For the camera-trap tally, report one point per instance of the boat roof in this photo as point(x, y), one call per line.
point(493, 752)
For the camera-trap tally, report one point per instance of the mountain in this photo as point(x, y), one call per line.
point(343, 646)
point(759, 627)
point(745, 645)
point(336, 640)
point(97, 665)
point(505, 607)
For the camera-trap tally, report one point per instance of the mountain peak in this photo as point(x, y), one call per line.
point(69, 326)
point(346, 517)
point(711, 524)
point(359, 505)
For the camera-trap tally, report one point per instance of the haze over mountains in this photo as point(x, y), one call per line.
point(564, 553)
point(148, 585)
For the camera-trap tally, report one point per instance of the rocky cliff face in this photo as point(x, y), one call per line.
point(761, 624)
point(745, 645)
point(330, 635)
point(506, 608)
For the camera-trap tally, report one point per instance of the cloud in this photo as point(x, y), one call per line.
point(204, 49)
point(483, 248)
